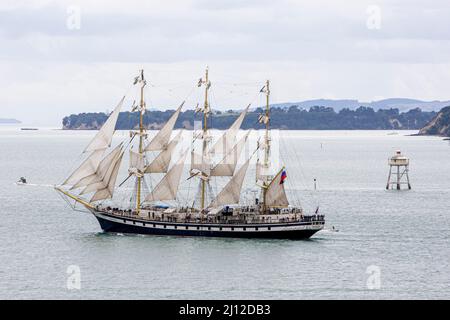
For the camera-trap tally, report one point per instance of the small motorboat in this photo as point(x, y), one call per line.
point(22, 181)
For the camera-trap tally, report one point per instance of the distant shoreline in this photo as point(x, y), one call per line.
point(9, 121)
point(291, 118)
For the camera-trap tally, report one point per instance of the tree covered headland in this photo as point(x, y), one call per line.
point(292, 118)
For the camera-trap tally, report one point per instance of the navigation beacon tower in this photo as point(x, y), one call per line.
point(398, 171)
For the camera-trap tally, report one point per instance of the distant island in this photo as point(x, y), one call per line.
point(9, 121)
point(402, 104)
point(439, 125)
point(290, 117)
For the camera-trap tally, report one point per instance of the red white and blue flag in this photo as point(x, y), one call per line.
point(283, 177)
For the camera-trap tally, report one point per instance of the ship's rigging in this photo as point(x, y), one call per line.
point(95, 179)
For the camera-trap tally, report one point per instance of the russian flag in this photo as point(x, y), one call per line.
point(283, 177)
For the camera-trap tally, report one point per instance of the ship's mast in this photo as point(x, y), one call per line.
point(141, 139)
point(266, 142)
point(207, 84)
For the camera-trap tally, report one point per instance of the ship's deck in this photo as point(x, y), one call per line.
point(292, 216)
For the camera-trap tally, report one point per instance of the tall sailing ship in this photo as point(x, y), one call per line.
point(151, 210)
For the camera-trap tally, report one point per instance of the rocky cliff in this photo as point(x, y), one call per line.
point(439, 125)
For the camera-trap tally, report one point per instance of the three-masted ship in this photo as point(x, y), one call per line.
point(151, 210)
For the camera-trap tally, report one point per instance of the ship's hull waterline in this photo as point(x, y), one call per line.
point(128, 225)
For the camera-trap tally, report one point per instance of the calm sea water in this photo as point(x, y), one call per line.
point(404, 235)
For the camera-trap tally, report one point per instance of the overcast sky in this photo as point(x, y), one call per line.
point(62, 57)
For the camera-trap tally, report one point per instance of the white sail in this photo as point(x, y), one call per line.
point(104, 136)
point(262, 145)
point(200, 163)
point(275, 193)
point(108, 191)
point(263, 173)
point(161, 163)
point(227, 165)
point(102, 182)
point(101, 169)
point(88, 167)
point(161, 140)
point(137, 164)
point(226, 141)
point(231, 193)
point(167, 188)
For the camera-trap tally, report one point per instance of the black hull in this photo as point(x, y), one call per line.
point(189, 230)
